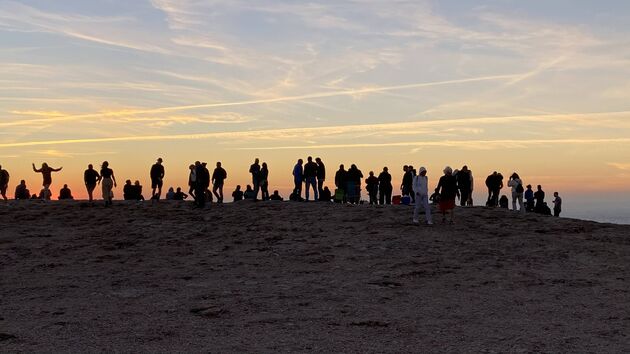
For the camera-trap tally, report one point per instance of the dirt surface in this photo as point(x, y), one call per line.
point(301, 277)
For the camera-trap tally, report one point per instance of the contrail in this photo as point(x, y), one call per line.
point(258, 101)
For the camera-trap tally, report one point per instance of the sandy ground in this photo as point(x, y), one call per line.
point(303, 277)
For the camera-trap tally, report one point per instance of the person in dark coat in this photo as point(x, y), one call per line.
point(447, 187)
point(385, 187)
point(371, 185)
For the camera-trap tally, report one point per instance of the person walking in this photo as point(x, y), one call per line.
point(4, 183)
point(91, 178)
point(108, 182)
point(219, 175)
point(385, 187)
point(421, 190)
point(46, 172)
point(157, 179)
point(310, 178)
point(516, 184)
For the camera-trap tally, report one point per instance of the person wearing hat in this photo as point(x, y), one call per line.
point(157, 177)
point(447, 187)
point(421, 191)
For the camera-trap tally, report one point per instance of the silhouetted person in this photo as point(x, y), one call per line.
point(321, 174)
point(341, 177)
point(157, 178)
point(371, 185)
point(21, 192)
point(254, 169)
point(557, 204)
point(46, 172)
point(45, 194)
point(276, 196)
point(4, 183)
point(128, 191)
point(65, 193)
point(494, 182)
point(298, 177)
point(310, 178)
point(264, 182)
point(539, 195)
point(192, 178)
point(447, 187)
point(218, 178)
point(385, 187)
point(406, 187)
point(421, 190)
point(201, 185)
point(108, 182)
point(353, 181)
point(465, 185)
point(516, 184)
point(529, 198)
point(249, 193)
point(35, 197)
point(90, 178)
point(137, 191)
point(237, 194)
point(179, 195)
point(326, 195)
point(170, 194)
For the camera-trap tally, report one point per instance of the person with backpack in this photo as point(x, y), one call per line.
point(517, 191)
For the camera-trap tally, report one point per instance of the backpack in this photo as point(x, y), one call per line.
point(519, 188)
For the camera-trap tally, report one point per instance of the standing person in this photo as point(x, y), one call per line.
point(107, 181)
point(340, 182)
point(4, 183)
point(353, 182)
point(321, 175)
point(310, 178)
point(516, 184)
point(464, 184)
point(557, 204)
point(407, 181)
point(192, 178)
point(264, 182)
point(91, 178)
point(157, 178)
point(200, 185)
point(254, 169)
point(47, 176)
point(371, 185)
point(385, 187)
point(529, 198)
point(539, 195)
point(421, 190)
point(219, 175)
point(447, 187)
point(298, 175)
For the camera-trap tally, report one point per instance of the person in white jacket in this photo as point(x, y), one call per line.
point(421, 191)
point(517, 191)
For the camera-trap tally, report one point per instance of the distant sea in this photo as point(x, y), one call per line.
point(603, 208)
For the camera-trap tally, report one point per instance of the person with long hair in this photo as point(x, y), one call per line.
point(46, 172)
point(108, 182)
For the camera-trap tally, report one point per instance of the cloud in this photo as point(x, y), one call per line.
point(620, 165)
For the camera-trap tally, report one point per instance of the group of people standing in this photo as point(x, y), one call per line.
point(525, 197)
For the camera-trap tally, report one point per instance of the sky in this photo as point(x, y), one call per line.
point(538, 87)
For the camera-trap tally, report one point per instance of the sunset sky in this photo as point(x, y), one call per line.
point(538, 87)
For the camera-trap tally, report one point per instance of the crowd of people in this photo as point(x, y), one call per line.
point(309, 181)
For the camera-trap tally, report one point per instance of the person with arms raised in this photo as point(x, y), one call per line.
point(46, 172)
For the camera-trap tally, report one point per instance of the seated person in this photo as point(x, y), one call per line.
point(326, 195)
point(21, 192)
point(65, 193)
point(503, 202)
point(249, 193)
point(128, 191)
point(179, 195)
point(237, 194)
point(137, 190)
point(276, 196)
point(170, 195)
